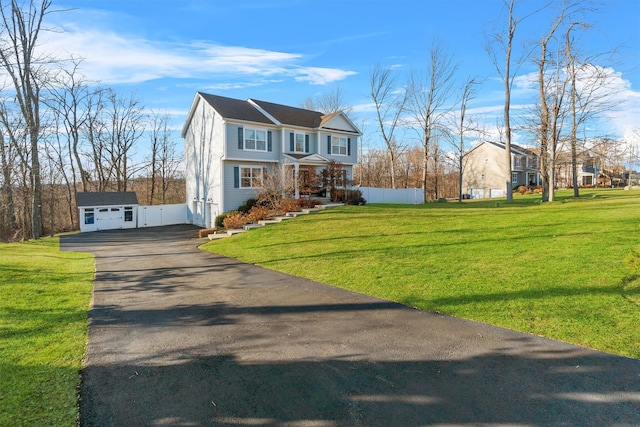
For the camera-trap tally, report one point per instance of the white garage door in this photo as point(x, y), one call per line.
point(109, 218)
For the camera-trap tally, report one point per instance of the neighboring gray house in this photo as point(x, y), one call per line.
point(484, 173)
point(107, 210)
point(230, 145)
point(587, 170)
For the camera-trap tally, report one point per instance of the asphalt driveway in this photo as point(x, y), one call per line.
point(183, 337)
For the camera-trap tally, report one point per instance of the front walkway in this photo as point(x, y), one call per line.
point(179, 336)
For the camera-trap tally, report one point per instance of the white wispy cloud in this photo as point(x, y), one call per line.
point(114, 58)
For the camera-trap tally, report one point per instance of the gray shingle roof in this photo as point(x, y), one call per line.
point(85, 199)
point(291, 115)
point(230, 108)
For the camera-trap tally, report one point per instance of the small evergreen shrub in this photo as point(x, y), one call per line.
point(219, 222)
point(246, 207)
point(348, 197)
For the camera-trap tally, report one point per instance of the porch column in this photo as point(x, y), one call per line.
point(296, 168)
point(284, 180)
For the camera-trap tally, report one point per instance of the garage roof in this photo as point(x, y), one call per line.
point(114, 198)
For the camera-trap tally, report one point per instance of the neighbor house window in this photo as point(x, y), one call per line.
point(88, 216)
point(128, 214)
point(587, 180)
point(518, 162)
point(514, 178)
point(255, 139)
point(250, 177)
point(339, 145)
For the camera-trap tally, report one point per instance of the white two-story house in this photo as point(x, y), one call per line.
point(230, 144)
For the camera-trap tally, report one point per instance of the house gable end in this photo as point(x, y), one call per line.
point(338, 122)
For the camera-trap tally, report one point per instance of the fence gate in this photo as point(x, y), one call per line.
point(155, 216)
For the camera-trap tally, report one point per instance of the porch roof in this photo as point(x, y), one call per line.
point(307, 158)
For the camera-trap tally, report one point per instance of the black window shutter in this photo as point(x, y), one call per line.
point(306, 143)
point(236, 177)
point(240, 138)
point(348, 146)
point(269, 144)
point(328, 144)
point(291, 142)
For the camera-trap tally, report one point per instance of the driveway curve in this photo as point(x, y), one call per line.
point(183, 337)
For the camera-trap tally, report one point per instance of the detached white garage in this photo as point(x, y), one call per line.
point(107, 210)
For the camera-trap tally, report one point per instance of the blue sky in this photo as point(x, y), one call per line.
point(284, 51)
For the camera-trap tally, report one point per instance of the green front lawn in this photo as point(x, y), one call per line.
point(44, 300)
point(556, 270)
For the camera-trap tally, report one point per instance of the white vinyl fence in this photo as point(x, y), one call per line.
point(155, 216)
point(392, 195)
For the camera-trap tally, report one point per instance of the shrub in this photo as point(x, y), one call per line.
point(309, 203)
point(522, 189)
point(270, 199)
point(441, 200)
point(219, 222)
point(348, 197)
point(246, 207)
point(235, 219)
point(289, 205)
point(204, 232)
point(258, 213)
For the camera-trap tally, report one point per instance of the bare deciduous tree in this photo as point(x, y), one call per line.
point(329, 102)
point(462, 125)
point(19, 31)
point(389, 102)
point(429, 93)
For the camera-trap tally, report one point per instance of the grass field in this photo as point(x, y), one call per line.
point(557, 270)
point(44, 300)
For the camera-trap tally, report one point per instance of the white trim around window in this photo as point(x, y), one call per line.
point(339, 145)
point(251, 176)
point(514, 177)
point(255, 139)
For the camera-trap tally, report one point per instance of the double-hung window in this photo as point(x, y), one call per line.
point(250, 177)
point(514, 177)
point(255, 139)
point(299, 143)
point(339, 145)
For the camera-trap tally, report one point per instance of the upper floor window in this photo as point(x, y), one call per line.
point(255, 139)
point(299, 143)
point(339, 145)
point(532, 162)
point(517, 162)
